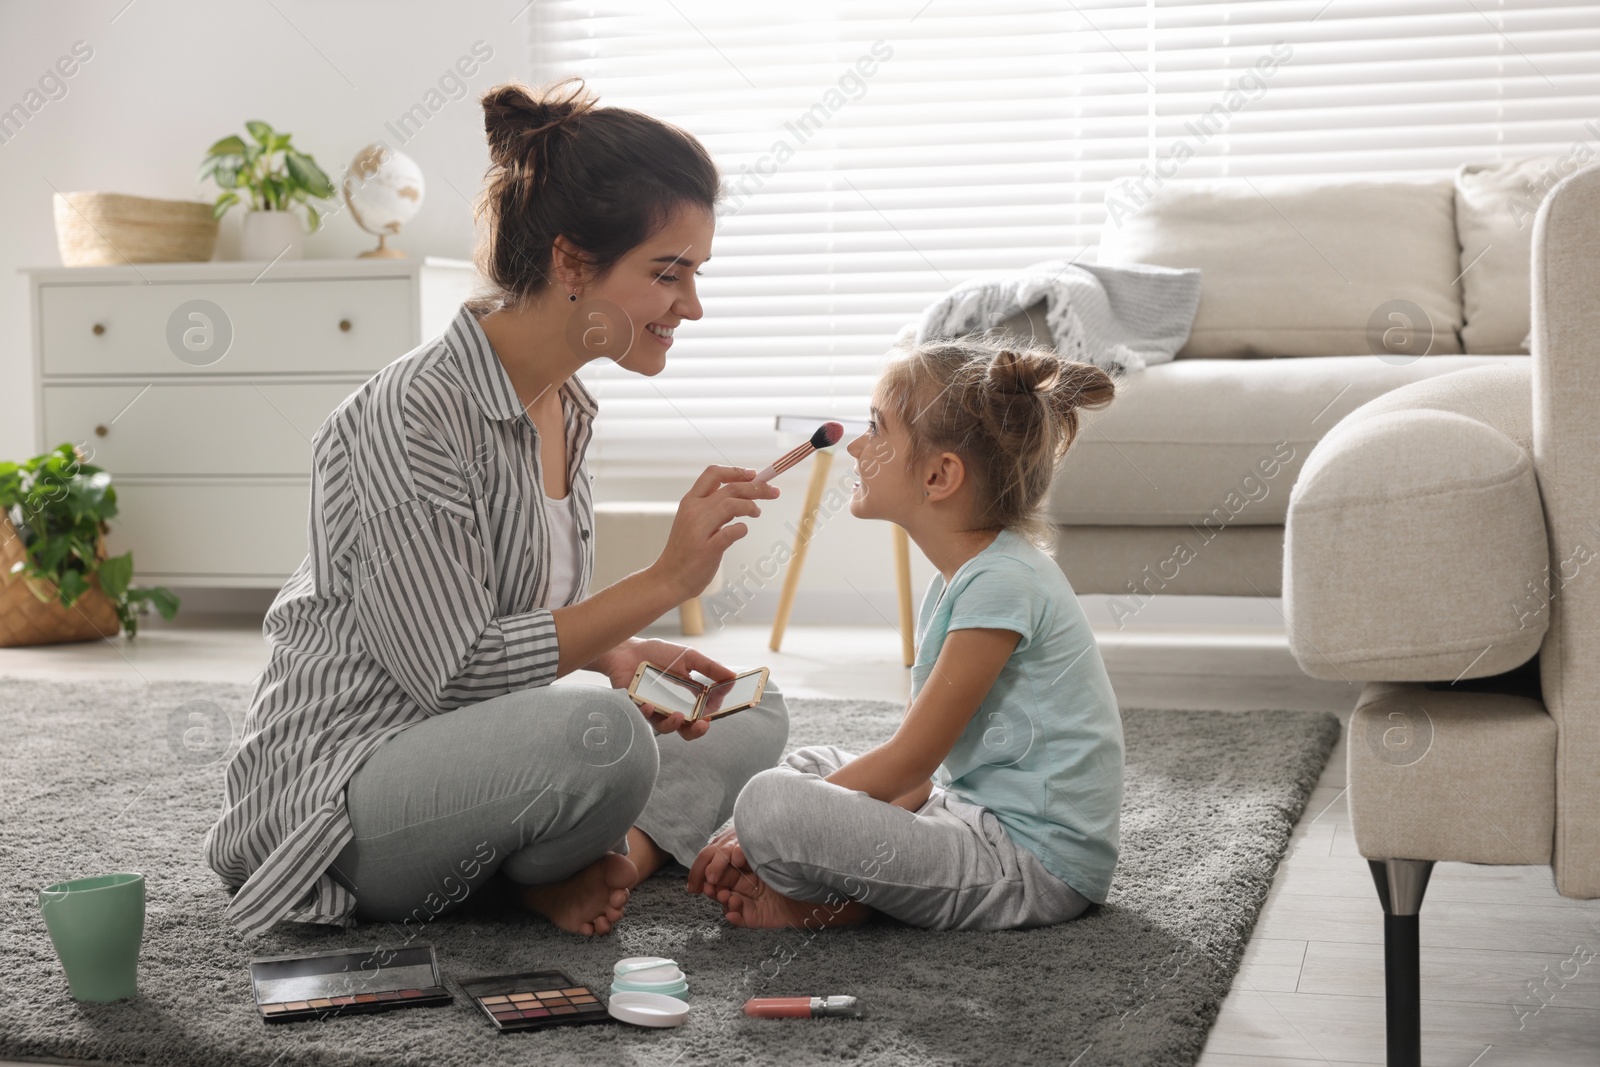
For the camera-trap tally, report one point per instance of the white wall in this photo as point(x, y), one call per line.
point(166, 78)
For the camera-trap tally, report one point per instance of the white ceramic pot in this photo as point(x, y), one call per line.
point(270, 235)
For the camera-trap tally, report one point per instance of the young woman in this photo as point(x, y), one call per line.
point(995, 804)
point(404, 743)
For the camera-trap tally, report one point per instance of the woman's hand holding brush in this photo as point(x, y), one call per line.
point(701, 532)
point(704, 527)
point(591, 630)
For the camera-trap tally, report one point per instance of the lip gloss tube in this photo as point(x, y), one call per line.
point(802, 1008)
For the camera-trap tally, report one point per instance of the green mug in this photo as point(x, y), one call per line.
point(96, 925)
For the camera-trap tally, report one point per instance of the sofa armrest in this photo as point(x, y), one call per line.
point(1414, 548)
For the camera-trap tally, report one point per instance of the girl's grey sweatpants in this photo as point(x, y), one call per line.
point(949, 865)
point(537, 784)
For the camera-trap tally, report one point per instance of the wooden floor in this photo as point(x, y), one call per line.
point(1311, 987)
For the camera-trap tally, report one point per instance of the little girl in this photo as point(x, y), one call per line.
point(996, 802)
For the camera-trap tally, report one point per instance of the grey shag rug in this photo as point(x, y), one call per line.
point(96, 777)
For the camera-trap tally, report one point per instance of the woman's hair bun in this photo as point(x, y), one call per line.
point(513, 114)
point(1031, 371)
point(573, 186)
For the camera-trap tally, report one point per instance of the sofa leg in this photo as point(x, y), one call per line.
point(1401, 884)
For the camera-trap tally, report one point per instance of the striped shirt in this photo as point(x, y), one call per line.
point(426, 588)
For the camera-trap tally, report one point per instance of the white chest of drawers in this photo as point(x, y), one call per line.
point(199, 387)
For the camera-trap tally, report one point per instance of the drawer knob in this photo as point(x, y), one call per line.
point(101, 430)
point(99, 328)
point(344, 325)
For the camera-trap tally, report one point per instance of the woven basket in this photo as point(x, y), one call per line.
point(27, 620)
point(109, 229)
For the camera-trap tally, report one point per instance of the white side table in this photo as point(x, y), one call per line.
point(805, 425)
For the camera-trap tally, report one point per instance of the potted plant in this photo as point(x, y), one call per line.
point(274, 178)
point(53, 512)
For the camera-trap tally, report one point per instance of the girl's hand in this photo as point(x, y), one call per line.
point(703, 530)
point(720, 867)
point(620, 664)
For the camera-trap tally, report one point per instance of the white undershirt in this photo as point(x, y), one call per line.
point(566, 555)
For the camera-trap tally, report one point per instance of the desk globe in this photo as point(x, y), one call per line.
point(383, 190)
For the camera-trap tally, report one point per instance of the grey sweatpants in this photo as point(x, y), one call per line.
point(538, 784)
point(950, 865)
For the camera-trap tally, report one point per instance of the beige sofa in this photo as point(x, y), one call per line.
point(1443, 546)
point(1317, 296)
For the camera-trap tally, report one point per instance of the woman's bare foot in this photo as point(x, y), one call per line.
point(646, 856)
point(591, 901)
point(757, 905)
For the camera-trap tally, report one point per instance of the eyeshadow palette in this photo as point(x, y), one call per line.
point(290, 988)
point(536, 999)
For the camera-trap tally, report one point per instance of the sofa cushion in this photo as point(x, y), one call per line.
point(1500, 399)
point(1219, 442)
point(1301, 266)
point(1131, 564)
point(1495, 207)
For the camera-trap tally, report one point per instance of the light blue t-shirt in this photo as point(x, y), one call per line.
point(1044, 751)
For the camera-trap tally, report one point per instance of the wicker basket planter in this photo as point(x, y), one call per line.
point(110, 229)
point(31, 613)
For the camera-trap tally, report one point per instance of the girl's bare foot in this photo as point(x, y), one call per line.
point(757, 905)
point(646, 856)
point(591, 901)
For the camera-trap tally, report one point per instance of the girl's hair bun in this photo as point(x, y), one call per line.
point(1032, 371)
point(1009, 410)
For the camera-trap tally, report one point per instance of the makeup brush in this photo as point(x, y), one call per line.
point(829, 433)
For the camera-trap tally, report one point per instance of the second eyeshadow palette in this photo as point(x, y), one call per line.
point(536, 999)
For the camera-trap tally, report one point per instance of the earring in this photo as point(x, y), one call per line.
point(572, 298)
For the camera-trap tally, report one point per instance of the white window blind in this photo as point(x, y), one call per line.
point(878, 153)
